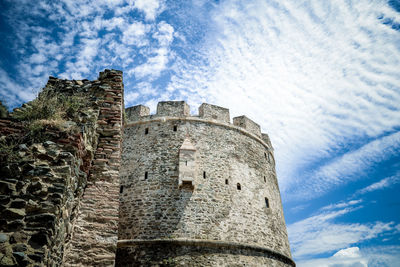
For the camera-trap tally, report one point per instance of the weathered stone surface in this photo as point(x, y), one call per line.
point(60, 197)
point(95, 231)
point(221, 219)
point(40, 194)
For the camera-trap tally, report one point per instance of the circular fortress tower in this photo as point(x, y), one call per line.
point(198, 191)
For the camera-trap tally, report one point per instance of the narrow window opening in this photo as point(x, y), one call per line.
point(121, 189)
point(146, 131)
point(265, 155)
point(146, 175)
point(186, 162)
point(204, 175)
point(265, 179)
point(238, 187)
point(266, 202)
point(175, 128)
point(226, 181)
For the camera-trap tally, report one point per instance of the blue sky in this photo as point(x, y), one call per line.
point(321, 77)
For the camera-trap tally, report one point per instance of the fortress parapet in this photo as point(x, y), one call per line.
point(207, 112)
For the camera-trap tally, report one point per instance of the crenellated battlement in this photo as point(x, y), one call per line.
point(173, 108)
point(207, 112)
point(249, 125)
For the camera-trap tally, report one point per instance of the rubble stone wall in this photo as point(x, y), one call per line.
point(42, 182)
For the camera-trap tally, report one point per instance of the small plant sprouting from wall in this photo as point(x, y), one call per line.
point(56, 112)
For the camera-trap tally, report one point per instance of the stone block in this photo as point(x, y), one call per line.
point(249, 125)
point(208, 111)
point(135, 112)
point(173, 109)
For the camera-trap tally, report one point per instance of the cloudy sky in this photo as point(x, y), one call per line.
point(321, 78)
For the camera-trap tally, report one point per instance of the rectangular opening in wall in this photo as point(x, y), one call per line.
point(121, 189)
point(226, 181)
point(204, 175)
point(146, 131)
point(266, 202)
point(175, 128)
point(146, 175)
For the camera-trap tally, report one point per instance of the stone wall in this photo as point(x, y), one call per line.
point(43, 179)
point(95, 231)
point(226, 209)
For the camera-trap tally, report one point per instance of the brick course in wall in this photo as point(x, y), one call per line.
point(95, 230)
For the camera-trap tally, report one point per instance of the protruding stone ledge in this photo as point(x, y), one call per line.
point(126, 243)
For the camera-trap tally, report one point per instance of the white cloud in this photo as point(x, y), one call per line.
point(135, 34)
point(342, 205)
point(352, 252)
point(13, 91)
point(165, 34)
point(384, 183)
point(154, 65)
point(111, 24)
point(355, 257)
point(319, 234)
point(349, 257)
point(345, 168)
point(150, 8)
point(130, 98)
point(37, 58)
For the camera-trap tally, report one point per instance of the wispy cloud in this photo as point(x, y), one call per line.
point(345, 168)
point(377, 256)
point(342, 205)
point(382, 184)
point(316, 75)
point(320, 233)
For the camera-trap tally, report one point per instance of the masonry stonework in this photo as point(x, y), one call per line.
point(59, 190)
point(227, 212)
point(169, 189)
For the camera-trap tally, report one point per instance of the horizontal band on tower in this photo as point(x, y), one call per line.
point(125, 243)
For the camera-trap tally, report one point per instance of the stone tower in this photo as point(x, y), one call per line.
point(198, 191)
